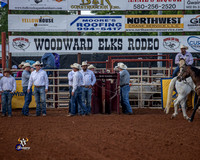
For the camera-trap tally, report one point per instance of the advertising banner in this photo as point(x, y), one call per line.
point(192, 4)
point(191, 22)
point(104, 5)
point(18, 97)
point(154, 23)
point(38, 4)
point(103, 44)
point(96, 23)
point(37, 23)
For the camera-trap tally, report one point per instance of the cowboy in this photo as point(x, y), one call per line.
point(40, 80)
point(19, 73)
point(187, 56)
point(89, 80)
point(7, 88)
point(92, 68)
point(70, 82)
point(124, 88)
point(76, 94)
point(27, 96)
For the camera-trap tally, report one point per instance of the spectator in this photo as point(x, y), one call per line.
point(40, 80)
point(27, 96)
point(57, 60)
point(187, 56)
point(14, 69)
point(124, 88)
point(48, 61)
point(19, 73)
point(7, 88)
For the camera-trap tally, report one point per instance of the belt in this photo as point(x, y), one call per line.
point(86, 86)
point(7, 91)
point(124, 85)
point(38, 86)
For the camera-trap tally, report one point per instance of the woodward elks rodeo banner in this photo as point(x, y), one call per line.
point(104, 4)
point(103, 44)
point(103, 23)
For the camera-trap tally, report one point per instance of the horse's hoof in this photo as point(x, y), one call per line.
point(172, 117)
point(190, 120)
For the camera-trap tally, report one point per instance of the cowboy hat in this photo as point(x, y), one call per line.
point(14, 67)
point(37, 63)
point(21, 64)
point(26, 65)
point(121, 66)
point(76, 65)
point(7, 70)
point(183, 46)
point(85, 63)
point(91, 66)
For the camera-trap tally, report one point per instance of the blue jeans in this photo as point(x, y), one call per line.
point(77, 98)
point(27, 99)
point(124, 93)
point(40, 100)
point(175, 72)
point(6, 99)
point(86, 98)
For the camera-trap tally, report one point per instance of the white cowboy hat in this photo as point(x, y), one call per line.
point(91, 66)
point(37, 63)
point(183, 46)
point(121, 66)
point(21, 64)
point(76, 65)
point(85, 63)
point(26, 65)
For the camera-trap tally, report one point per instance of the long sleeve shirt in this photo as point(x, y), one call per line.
point(70, 77)
point(124, 77)
point(8, 83)
point(25, 78)
point(88, 77)
point(187, 57)
point(38, 78)
point(77, 80)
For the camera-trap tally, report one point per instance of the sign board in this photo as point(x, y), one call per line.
point(103, 44)
point(37, 23)
point(104, 5)
point(103, 23)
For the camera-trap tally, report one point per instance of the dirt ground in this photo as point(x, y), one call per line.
point(149, 134)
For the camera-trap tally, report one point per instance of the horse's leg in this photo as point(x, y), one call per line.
point(176, 103)
point(194, 111)
point(183, 106)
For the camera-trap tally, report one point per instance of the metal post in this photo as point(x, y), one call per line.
point(3, 59)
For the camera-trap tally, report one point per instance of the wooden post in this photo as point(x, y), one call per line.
point(79, 54)
point(3, 59)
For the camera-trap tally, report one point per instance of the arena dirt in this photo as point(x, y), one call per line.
point(149, 134)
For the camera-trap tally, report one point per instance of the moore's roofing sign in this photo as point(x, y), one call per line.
point(103, 44)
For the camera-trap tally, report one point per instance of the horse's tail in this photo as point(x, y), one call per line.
point(169, 95)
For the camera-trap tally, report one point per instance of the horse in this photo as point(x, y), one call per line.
point(194, 73)
point(183, 88)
